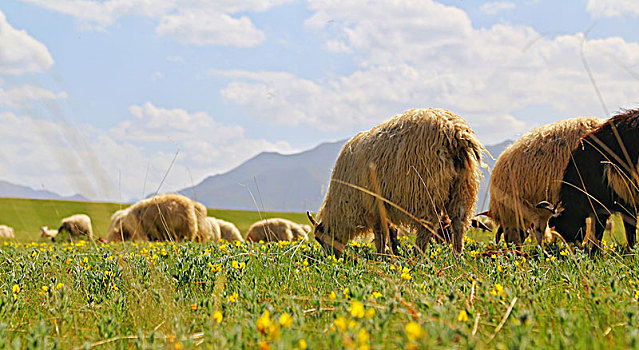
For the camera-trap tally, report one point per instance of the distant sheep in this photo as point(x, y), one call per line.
point(215, 229)
point(276, 229)
point(78, 225)
point(426, 162)
point(530, 171)
point(6, 231)
point(162, 217)
point(46, 232)
point(600, 179)
point(229, 232)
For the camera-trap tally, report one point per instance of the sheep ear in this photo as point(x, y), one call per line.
point(547, 206)
point(310, 217)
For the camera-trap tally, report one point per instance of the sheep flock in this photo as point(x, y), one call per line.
point(419, 173)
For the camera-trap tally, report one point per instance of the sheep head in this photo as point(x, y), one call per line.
point(328, 243)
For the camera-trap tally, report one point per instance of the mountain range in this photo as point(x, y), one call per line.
point(296, 182)
point(269, 181)
point(10, 190)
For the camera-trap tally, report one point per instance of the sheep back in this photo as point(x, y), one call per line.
point(276, 229)
point(229, 232)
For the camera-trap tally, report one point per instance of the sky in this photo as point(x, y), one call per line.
point(116, 99)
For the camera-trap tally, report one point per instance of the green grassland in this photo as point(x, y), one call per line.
point(291, 295)
point(27, 215)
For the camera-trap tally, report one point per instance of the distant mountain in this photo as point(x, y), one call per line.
point(10, 190)
point(296, 182)
point(272, 181)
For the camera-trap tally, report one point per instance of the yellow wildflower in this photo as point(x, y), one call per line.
point(332, 295)
point(498, 290)
point(302, 344)
point(376, 295)
point(217, 316)
point(637, 295)
point(363, 337)
point(347, 292)
point(340, 323)
point(370, 313)
point(357, 309)
point(233, 297)
point(264, 345)
point(413, 331)
point(406, 276)
point(177, 346)
point(193, 307)
point(286, 320)
point(15, 289)
point(463, 316)
point(264, 322)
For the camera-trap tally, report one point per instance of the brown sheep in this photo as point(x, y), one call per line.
point(426, 162)
point(77, 225)
point(530, 171)
point(6, 231)
point(215, 229)
point(162, 217)
point(276, 229)
point(229, 232)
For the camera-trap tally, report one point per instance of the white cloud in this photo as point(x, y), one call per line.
point(494, 7)
point(424, 54)
point(196, 22)
point(200, 27)
point(23, 96)
point(112, 164)
point(613, 8)
point(19, 52)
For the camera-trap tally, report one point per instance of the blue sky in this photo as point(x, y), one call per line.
point(97, 97)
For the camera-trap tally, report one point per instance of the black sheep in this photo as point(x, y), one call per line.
point(600, 179)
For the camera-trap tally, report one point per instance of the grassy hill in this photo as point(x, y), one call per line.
point(27, 215)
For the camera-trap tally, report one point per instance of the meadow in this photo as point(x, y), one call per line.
point(290, 295)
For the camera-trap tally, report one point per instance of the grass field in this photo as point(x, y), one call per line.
point(290, 295)
point(27, 215)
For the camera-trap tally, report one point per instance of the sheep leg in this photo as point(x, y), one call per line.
point(512, 235)
point(392, 231)
point(423, 238)
point(498, 234)
point(538, 231)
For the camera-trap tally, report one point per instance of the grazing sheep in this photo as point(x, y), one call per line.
point(530, 171)
point(600, 179)
point(46, 232)
point(6, 231)
point(77, 225)
point(229, 232)
point(159, 218)
point(272, 230)
point(215, 229)
point(116, 231)
point(426, 162)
